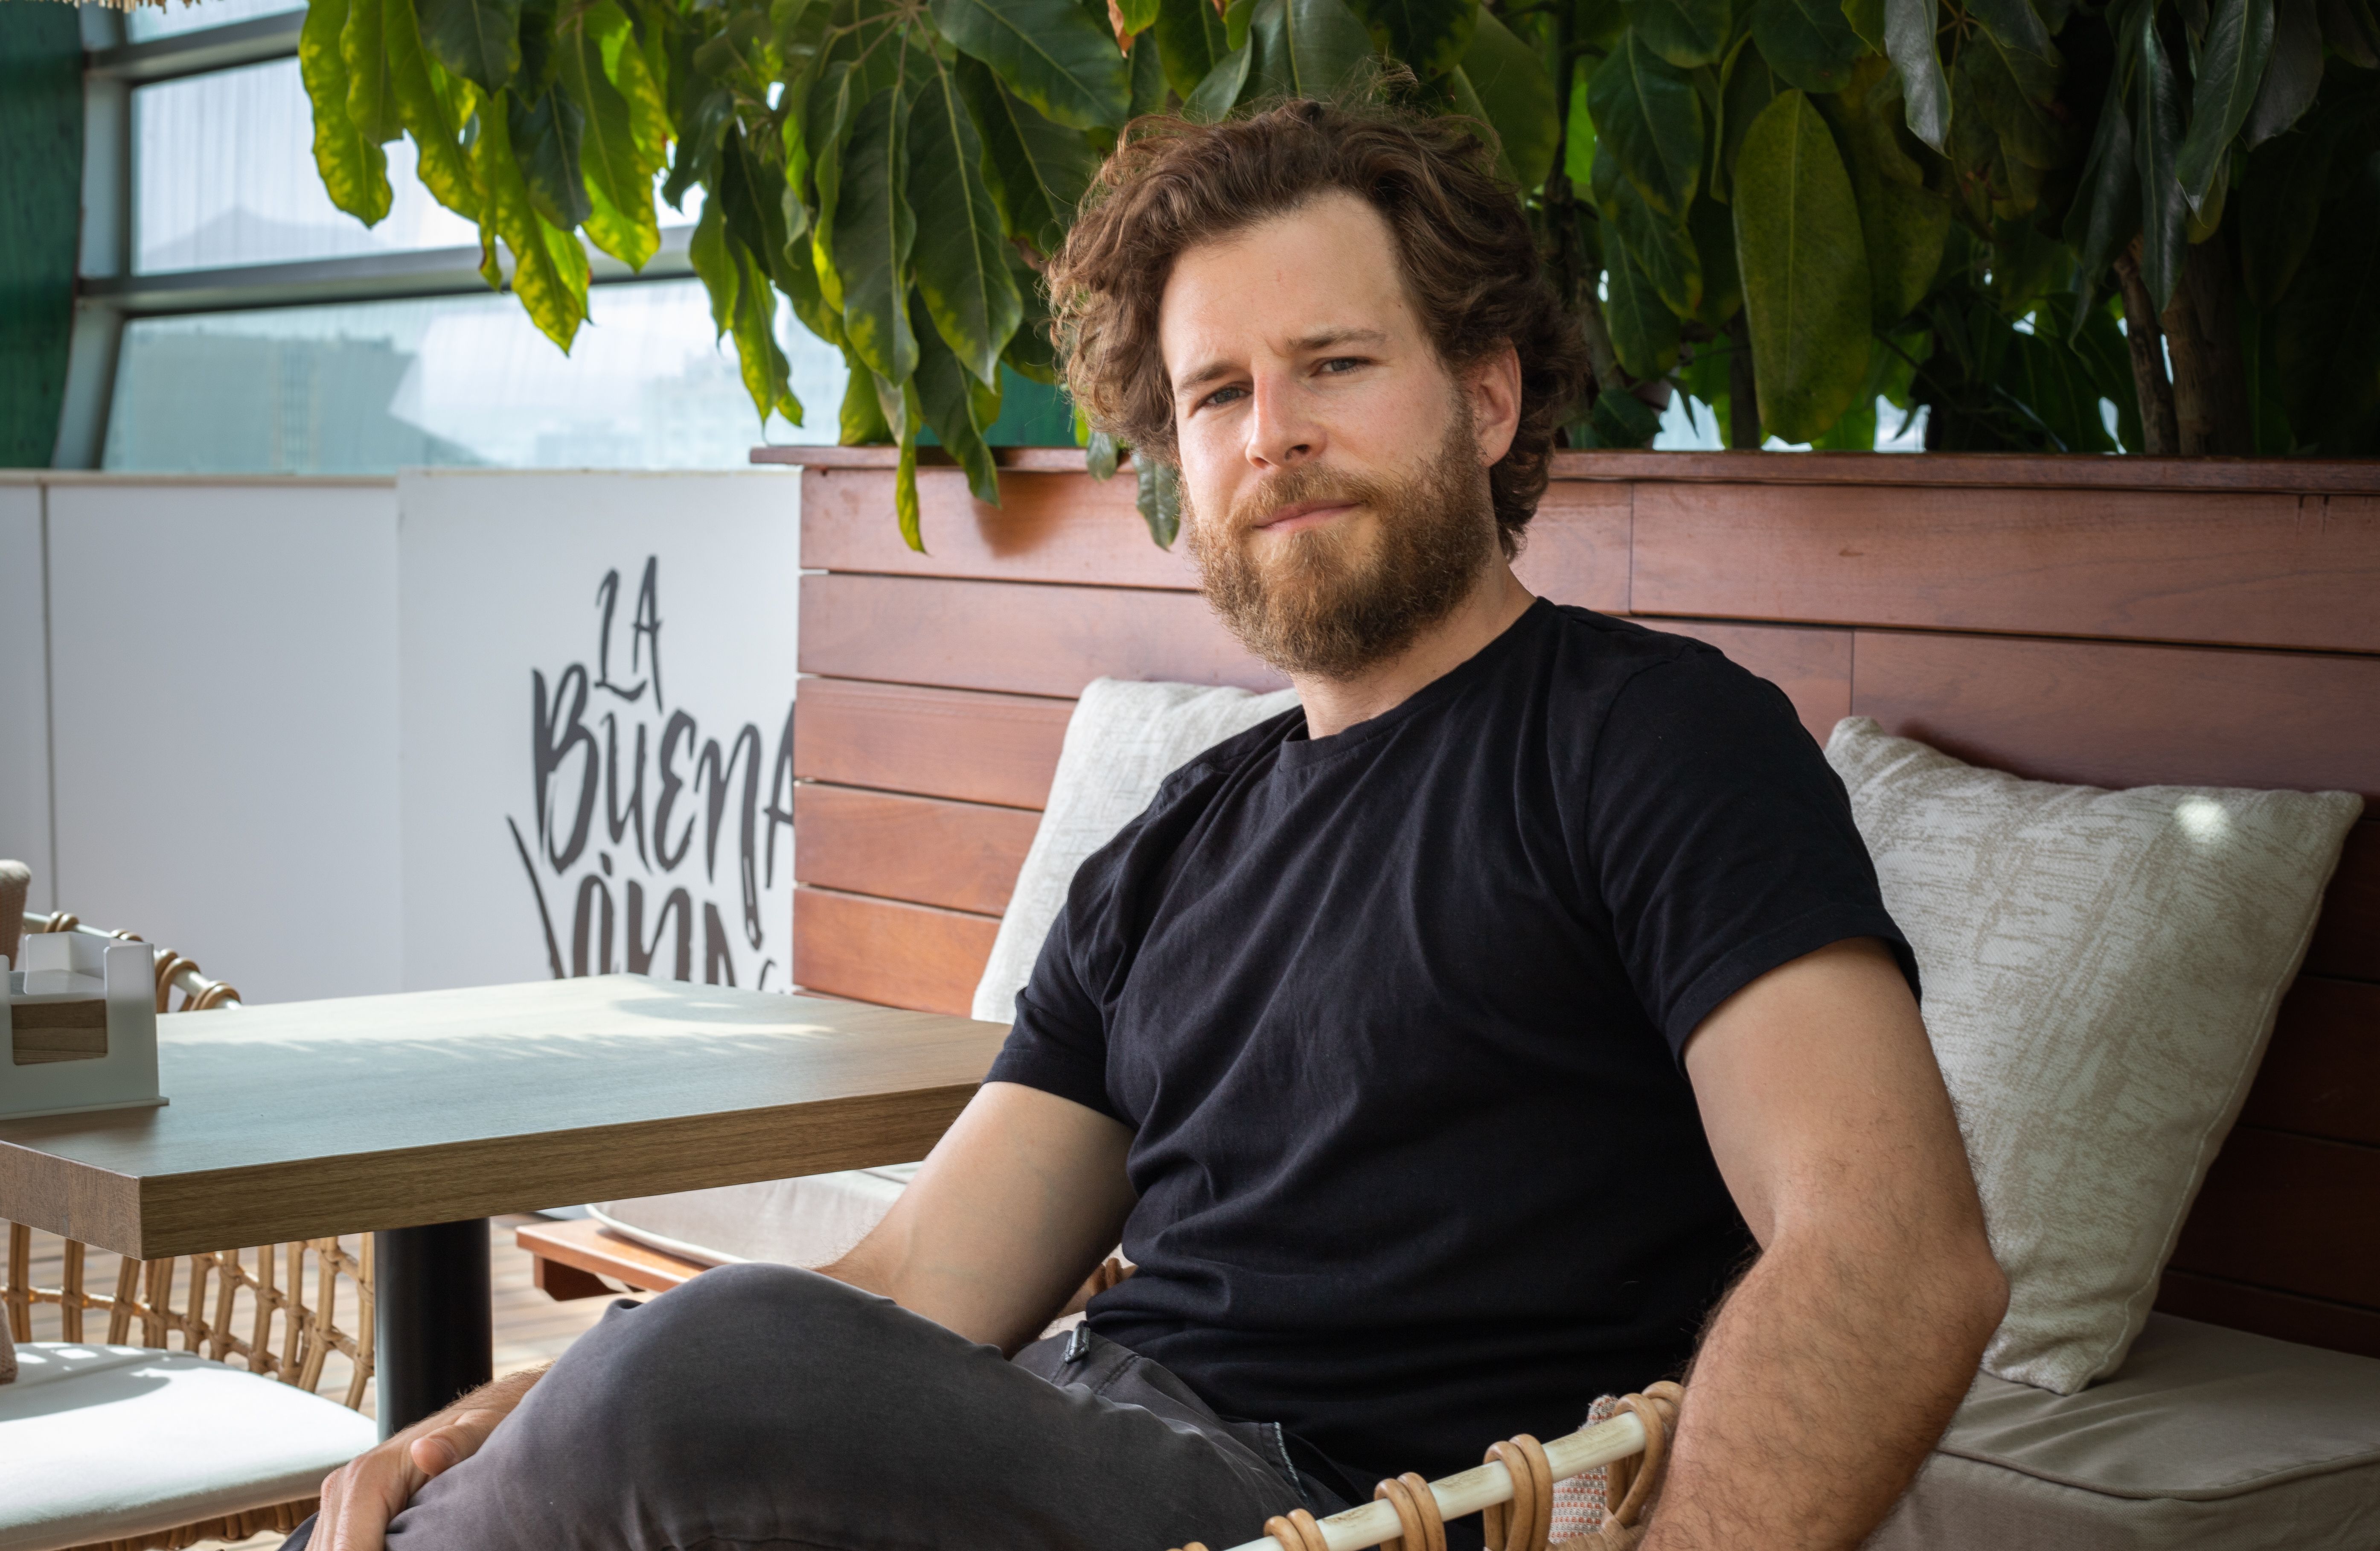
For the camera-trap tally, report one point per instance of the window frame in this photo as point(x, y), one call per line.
point(108, 294)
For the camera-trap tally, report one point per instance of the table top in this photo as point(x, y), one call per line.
point(302, 1120)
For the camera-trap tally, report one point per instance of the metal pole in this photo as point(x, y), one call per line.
point(431, 1319)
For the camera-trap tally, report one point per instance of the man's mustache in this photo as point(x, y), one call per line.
point(1292, 487)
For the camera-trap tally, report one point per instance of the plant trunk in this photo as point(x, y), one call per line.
point(1600, 357)
point(1742, 389)
point(2210, 375)
point(2145, 339)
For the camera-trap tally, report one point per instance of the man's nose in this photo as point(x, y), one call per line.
point(1281, 432)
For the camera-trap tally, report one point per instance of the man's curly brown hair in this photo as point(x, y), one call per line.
point(1471, 264)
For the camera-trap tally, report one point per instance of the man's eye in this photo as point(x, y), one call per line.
point(1337, 364)
point(1221, 396)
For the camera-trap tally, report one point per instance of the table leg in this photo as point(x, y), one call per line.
point(431, 1318)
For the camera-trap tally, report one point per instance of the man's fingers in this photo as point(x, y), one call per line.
point(441, 1449)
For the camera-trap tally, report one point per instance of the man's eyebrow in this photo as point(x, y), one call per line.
point(1306, 344)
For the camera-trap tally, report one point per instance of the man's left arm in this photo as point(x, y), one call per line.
point(1833, 1366)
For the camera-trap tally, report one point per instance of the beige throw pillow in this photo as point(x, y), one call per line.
point(2101, 972)
point(1121, 742)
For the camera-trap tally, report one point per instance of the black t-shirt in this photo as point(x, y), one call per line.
point(1396, 1018)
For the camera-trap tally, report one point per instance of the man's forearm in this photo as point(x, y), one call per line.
point(1827, 1375)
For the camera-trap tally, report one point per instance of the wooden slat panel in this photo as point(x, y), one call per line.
point(2242, 569)
point(2292, 1213)
point(1015, 637)
point(1046, 528)
point(879, 951)
point(2347, 938)
point(2310, 1321)
point(2121, 715)
point(2322, 1075)
point(1071, 528)
point(956, 744)
point(1812, 666)
point(961, 855)
point(1577, 546)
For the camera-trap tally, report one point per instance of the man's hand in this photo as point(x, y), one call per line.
point(362, 1495)
point(1832, 1369)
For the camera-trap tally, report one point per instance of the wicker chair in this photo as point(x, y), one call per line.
point(126, 1444)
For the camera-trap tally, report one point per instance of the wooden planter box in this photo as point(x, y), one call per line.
point(2117, 621)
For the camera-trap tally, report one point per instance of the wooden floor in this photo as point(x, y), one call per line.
point(530, 1328)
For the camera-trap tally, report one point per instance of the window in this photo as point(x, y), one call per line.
point(264, 330)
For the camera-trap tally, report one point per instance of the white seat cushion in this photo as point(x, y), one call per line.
point(2101, 972)
point(808, 1221)
point(104, 1442)
point(2208, 1440)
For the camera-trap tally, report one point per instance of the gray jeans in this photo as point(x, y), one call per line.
point(762, 1406)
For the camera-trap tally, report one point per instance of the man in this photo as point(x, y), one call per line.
point(1439, 1051)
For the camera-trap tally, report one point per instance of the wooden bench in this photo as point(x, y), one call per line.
point(2118, 621)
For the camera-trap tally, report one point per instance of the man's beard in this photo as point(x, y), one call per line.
point(1316, 605)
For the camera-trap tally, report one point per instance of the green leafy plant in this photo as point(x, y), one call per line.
point(1790, 209)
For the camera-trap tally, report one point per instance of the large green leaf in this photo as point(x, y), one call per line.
point(1647, 111)
point(833, 105)
point(363, 48)
point(1137, 15)
point(1750, 86)
point(1660, 245)
point(861, 421)
point(549, 283)
point(2292, 73)
point(1432, 36)
point(1806, 289)
point(1189, 40)
point(1684, 32)
point(962, 257)
point(1578, 130)
point(2156, 139)
point(1517, 97)
point(2106, 208)
point(945, 396)
point(759, 359)
point(620, 218)
point(2329, 325)
point(1903, 223)
point(873, 231)
point(1713, 230)
point(1306, 48)
point(1050, 52)
point(2229, 72)
point(1036, 170)
point(631, 75)
point(546, 132)
point(1908, 27)
point(1223, 87)
point(423, 109)
point(2015, 25)
point(1158, 498)
point(353, 167)
point(2015, 93)
point(479, 39)
point(1644, 330)
point(1809, 43)
point(2280, 203)
point(1148, 88)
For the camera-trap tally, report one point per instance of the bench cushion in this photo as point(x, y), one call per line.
point(2101, 971)
point(2208, 1438)
point(106, 1442)
point(810, 1221)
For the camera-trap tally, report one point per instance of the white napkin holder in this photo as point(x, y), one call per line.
point(59, 968)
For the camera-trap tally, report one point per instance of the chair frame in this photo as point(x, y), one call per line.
point(274, 1275)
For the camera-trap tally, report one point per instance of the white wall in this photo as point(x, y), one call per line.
point(24, 694)
point(223, 678)
point(291, 723)
point(504, 578)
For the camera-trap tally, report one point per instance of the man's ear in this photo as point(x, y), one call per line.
point(1493, 386)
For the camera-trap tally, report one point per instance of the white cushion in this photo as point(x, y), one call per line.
point(2209, 1438)
point(810, 1221)
point(106, 1442)
point(2101, 972)
point(1121, 742)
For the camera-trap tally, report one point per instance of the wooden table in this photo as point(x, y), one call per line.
point(417, 1116)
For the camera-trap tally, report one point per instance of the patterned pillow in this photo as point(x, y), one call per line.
point(2101, 972)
